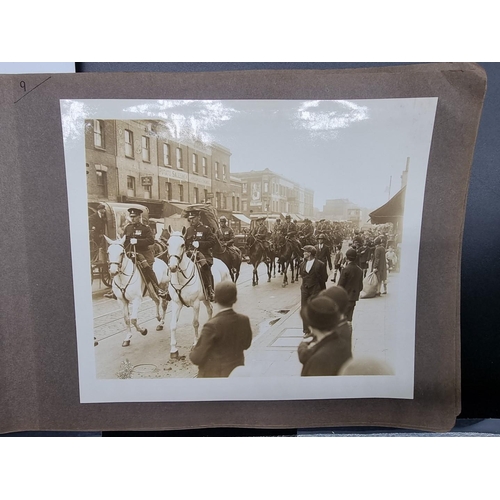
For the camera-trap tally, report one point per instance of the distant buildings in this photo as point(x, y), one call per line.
point(266, 191)
point(140, 161)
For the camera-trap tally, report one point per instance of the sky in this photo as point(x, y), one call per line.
point(351, 149)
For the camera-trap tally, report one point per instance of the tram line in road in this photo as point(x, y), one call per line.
point(148, 313)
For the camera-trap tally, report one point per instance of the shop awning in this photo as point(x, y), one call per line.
point(242, 218)
point(392, 211)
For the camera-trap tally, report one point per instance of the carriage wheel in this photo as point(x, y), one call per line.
point(94, 251)
point(105, 277)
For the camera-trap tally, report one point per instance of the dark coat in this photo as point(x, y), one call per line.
point(97, 225)
point(324, 255)
point(351, 280)
point(145, 239)
point(205, 237)
point(380, 263)
point(316, 278)
point(223, 339)
point(324, 358)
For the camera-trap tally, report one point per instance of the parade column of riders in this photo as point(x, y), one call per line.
point(200, 240)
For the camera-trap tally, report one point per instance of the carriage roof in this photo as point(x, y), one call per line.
point(117, 216)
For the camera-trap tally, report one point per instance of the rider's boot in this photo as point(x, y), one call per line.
point(206, 275)
point(151, 277)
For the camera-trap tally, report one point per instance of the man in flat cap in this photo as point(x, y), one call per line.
point(314, 276)
point(139, 237)
point(201, 237)
point(224, 338)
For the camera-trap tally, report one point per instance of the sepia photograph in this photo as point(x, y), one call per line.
point(246, 249)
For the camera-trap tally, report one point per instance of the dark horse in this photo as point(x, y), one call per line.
point(257, 254)
point(231, 256)
point(289, 255)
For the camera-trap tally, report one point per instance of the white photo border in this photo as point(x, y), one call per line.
point(74, 112)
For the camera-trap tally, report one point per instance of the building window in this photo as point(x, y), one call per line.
point(244, 188)
point(102, 183)
point(179, 158)
point(237, 203)
point(99, 134)
point(195, 163)
point(166, 155)
point(147, 192)
point(224, 173)
point(129, 144)
point(224, 202)
point(196, 195)
point(181, 192)
point(130, 186)
point(217, 170)
point(205, 194)
point(217, 200)
point(168, 189)
point(204, 166)
point(145, 149)
point(233, 204)
point(244, 206)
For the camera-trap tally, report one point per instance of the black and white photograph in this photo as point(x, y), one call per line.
point(246, 249)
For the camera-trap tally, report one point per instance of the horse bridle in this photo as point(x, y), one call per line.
point(179, 290)
point(119, 264)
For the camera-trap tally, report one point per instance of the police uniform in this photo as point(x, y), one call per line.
point(145, 238)
point(226, 234)
point(206, 240)
point(307, 232)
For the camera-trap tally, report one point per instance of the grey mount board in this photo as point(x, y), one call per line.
point(38, 361)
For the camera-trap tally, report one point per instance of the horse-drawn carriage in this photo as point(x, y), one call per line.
point(116, 218)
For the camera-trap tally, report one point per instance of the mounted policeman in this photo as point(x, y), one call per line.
point(201, 240)
point(226, 250)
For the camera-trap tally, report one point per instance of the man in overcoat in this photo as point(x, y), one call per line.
point(380, 264)
point(224, 338)
point(323, 251)
point(351, 280)
point(314, 276)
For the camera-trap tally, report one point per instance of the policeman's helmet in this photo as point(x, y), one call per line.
point(223, 218)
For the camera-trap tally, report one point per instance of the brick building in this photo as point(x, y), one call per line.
point(140, 161)
point(266, 191)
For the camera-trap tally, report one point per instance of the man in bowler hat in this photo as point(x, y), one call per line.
point(314, 276)
point(224, 338)
point(327, 351)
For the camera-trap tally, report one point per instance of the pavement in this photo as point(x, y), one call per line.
point(274, 352)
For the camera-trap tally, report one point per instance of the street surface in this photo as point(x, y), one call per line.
point(149, 356)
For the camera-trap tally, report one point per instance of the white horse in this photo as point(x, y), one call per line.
point(129, 287)
point(186, 288)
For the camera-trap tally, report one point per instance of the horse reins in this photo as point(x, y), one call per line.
point(119, 264)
